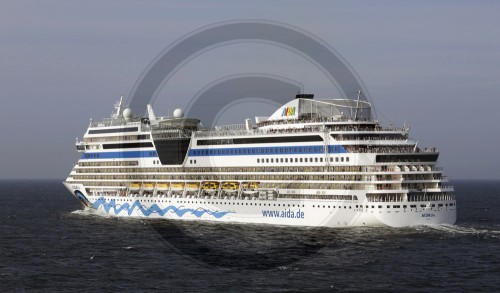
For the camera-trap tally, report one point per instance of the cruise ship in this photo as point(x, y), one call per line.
point(311, 163)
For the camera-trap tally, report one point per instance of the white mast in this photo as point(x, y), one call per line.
point(118, 108)
point(151, 114)
point(357, 106)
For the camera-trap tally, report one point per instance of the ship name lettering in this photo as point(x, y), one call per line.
point(428, 215)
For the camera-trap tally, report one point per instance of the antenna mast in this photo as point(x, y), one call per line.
point(118, 108)
point(357, 106)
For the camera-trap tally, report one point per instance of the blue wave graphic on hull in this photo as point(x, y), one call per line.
point(154, 209)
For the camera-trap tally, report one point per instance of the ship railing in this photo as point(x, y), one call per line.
point(114, 122)
point(230, 127)
point(354, 128)
point(213, 132)
point(230, 130)
point(335, 127)
point(391, 150)
point(371, 138)
point(312, 120)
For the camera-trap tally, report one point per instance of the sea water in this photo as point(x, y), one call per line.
point(48, 242)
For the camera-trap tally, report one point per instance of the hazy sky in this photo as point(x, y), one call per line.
point(433, 64)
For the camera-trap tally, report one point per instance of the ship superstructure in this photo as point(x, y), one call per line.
point(311, 163)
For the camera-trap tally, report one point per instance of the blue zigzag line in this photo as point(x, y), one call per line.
point(154, 209)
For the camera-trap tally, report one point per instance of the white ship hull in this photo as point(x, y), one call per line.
point(300, 212)
point(309, 164)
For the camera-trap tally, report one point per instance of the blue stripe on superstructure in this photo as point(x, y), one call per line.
point(280, 150)
point(119, 155)
point(253, 151)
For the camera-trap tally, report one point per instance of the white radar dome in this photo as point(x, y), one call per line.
point(178, 113)
point(127, 113)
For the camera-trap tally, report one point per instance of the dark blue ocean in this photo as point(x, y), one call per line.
point(49, 243)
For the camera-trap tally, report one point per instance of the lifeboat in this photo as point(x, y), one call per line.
point(148, 185)
point(230, 187)
point(210, 185)
point(134, 185)
point(162, 186)
point(247, 185)
point(192, 186)
point(177, 185)
point(250, 188)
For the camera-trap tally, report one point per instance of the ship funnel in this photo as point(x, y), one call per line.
point(248, 124)
point(151, 114)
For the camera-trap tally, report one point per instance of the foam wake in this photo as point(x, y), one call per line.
point(89, 212)
point(455, 229)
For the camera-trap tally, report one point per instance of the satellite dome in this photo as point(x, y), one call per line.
point(127, 113)
point(178, 113)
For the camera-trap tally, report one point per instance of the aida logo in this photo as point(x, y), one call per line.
point(288, 111)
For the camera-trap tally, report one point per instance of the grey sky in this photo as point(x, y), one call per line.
point(435, 65)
